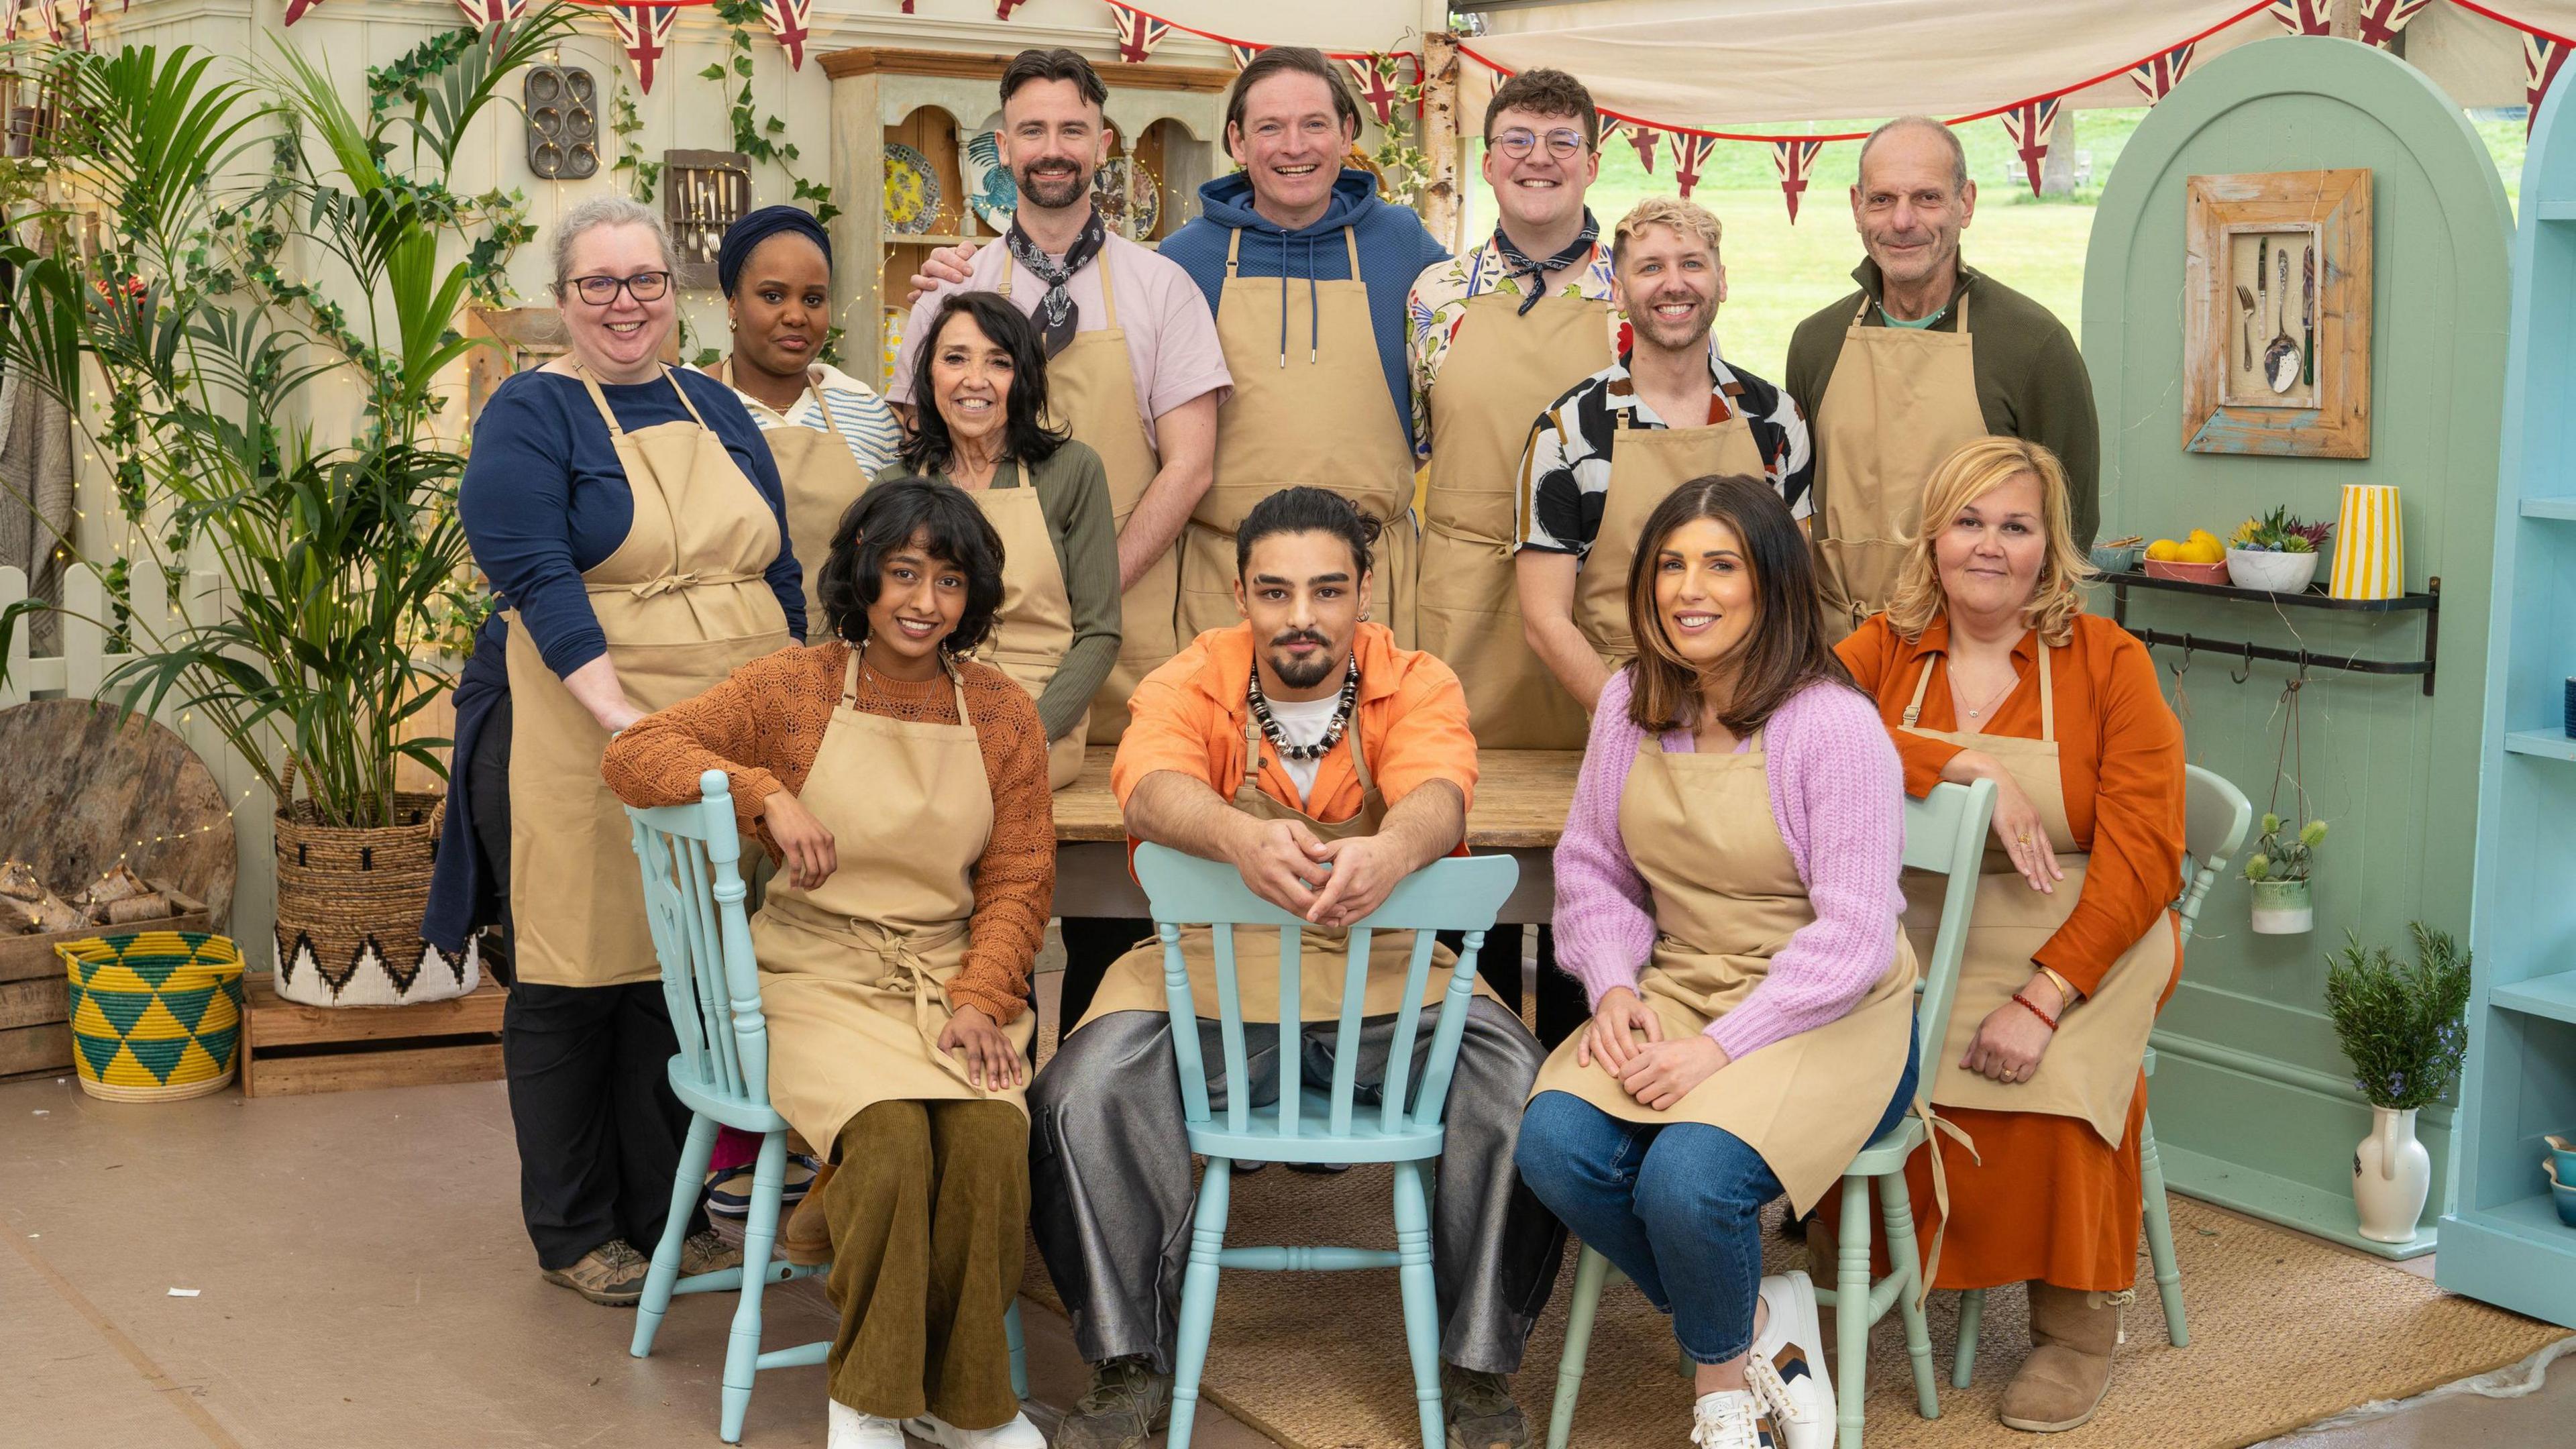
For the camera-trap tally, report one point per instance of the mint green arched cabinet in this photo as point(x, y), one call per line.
point(2502, 1240)
point(2255, 1106)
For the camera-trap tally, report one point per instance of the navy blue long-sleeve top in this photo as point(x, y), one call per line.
point(544, 497)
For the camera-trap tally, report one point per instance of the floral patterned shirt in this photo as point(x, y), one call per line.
point(1439, 299)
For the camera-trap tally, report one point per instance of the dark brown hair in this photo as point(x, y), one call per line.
point(886, 519)
point(1545, 92)
point(1303, 60)
point(1054, 65)
point(1786, 647)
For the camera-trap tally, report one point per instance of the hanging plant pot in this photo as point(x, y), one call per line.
point(2282, 908)
point(349, 904)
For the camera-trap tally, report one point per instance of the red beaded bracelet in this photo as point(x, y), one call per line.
point(2035, 1011)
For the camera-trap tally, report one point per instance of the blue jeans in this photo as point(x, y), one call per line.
point(1676, 1208)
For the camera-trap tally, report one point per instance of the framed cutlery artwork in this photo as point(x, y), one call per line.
point(2276, 330)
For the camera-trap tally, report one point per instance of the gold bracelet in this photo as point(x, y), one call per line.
point(2066, 991)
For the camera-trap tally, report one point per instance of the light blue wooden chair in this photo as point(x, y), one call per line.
point(693, 893)
point(1944, 832)
point(1318, 1122)
point(2216, 816)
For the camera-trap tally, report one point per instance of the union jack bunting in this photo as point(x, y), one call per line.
point(2028, 124)
point(294, 10)
point(2156, 78)
point(483, 14)
point(788, 20)
point(2541, 57)
point(1243, 52)
point(645, 32)
point(1138, 33)
point(2380, 20)
point(1792, 160)
point(1378, 89)
point(1002, 8)
point(1690, 152)
point(1611, 128)
point(2305, 17)
point(1642, 136)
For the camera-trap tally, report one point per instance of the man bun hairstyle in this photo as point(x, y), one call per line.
point(1053, 65)
point(1307, 510)
point(1302, 60)
point(1545, 92)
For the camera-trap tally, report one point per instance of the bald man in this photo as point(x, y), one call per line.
point(1925, 356)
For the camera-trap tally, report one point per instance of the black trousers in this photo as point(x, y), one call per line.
point(1091, 943)
point(599, 1132)
point(1562, 1011)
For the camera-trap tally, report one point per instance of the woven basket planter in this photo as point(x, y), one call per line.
point(349, 904)
point(155, 1015)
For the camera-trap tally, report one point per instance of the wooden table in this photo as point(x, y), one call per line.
point(1521, 800)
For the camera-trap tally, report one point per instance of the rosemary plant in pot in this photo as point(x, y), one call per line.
point(2278, 870)
point(205, 315)
point(2405, 1035)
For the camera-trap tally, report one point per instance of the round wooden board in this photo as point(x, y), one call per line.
point(77, 792)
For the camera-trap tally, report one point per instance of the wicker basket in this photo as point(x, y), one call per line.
point(349, 906)
point(156, 1015)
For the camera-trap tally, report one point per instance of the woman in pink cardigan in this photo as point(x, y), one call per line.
point(1726, 890)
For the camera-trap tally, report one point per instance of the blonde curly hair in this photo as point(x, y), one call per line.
point(1979, 467)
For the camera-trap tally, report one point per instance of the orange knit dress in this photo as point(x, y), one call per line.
point(2045, 1197)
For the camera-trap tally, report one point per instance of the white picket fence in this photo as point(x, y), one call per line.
point(84, 664)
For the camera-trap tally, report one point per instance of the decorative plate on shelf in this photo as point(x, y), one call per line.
point(911, 191)
point(895, 318)
point(1111, 193)
point(990, 191)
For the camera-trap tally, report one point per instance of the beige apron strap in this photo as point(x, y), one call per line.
point(1351, 244)
point(599, 400)
point(1234, 252)
point(1865, 300)
point(1922, 682)
point(2047, 698)
point(699, 417)
point(850, 680)
point(1935, 1127)
point(823, 405)
point(1108, 300)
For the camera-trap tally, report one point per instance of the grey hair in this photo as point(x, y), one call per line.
point(1958, 153)
point(610, 210)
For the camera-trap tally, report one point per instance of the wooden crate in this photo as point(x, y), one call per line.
point(35, 995)
point(290, 1048)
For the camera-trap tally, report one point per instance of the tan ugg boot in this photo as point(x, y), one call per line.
point(2072, 1335)
point(807, 1239)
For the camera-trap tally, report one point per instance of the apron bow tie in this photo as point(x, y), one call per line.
point(665, 584)
point(895, 950)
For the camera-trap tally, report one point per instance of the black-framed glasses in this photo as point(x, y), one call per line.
point(602, 291)
point(1518, 144)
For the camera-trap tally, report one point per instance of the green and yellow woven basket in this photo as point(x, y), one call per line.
point(156, 1015)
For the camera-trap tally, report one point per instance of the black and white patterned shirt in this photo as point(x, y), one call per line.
point(1565, 469)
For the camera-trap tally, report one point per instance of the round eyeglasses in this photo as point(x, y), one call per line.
point(602, 291)
point(1518, 144)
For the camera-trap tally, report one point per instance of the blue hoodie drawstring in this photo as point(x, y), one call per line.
point(1314, 309)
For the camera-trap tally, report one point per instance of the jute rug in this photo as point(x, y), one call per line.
point(2285, 1330)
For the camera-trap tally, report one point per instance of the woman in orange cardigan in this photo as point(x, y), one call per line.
point(1984, 667)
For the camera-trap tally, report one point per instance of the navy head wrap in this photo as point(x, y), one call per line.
point(759, 226)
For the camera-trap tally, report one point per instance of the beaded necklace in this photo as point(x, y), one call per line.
point(1332, 732)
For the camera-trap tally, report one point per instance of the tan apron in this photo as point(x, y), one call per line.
point(2091, 1066)
point(854, 973)
point(683, 602)
point(1502, 370)
point(1091, 392)
point(1035, 624)
point(1901, 400)
point(1727, 896)
point(1646, 465)
point(822, 478)
point(1309, 406)
point(1135, 981)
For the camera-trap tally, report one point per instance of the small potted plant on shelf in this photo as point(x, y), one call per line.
point(2404, 1033)
point(2276, 553)
point(2278, 870)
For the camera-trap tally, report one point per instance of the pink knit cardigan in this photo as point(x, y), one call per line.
point(1838, 797)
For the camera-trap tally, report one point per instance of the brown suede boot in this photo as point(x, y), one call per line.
point(2072, 1335)
point(806, 1241)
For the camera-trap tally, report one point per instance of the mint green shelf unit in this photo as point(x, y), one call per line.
point(2502, 1240)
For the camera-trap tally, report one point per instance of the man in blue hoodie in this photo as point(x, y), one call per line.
point(1307, 270)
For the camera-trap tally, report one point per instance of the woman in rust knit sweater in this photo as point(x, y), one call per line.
point(1985, 667)
point(902, 787)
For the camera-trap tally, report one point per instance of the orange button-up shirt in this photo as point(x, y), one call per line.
point(1411, 718)
point(2119, 758)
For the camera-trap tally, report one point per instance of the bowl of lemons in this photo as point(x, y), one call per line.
point(2198, 559)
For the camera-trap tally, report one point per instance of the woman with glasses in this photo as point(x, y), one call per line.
point(630, 520)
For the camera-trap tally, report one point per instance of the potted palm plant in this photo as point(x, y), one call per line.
point(2404, 1033)
point(206, 312)
point(2278, 870)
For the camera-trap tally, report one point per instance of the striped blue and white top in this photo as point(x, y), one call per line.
point(875, 437)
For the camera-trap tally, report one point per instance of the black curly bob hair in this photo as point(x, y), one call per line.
point(891, 515)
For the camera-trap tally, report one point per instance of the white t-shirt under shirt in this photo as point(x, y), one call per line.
point(1303, 722)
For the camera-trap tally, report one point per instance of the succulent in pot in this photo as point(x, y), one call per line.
point(2276, 553)
point(2278, 870)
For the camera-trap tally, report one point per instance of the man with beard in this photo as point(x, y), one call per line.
point(1302, 747)
point(1898, 374)
point(1667, 411)
point(1134, 369)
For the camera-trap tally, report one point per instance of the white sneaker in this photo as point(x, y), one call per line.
point(851, 1429)
point(1730, 1419)
point(1017, 1434)
point(1787, 1367)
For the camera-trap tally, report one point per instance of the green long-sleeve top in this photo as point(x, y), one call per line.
point(2031, 381)
point(1073, 495)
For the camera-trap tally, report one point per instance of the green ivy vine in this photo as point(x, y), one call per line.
point(643, 175)
point(758, 136)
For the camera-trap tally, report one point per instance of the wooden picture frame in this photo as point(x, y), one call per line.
point(2236, 227)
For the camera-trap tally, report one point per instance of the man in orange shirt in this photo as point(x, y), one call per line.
point(1325, 764)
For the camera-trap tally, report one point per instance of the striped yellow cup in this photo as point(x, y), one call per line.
point(2370, 544)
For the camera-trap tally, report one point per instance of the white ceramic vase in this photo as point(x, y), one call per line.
point(2392, 1174)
